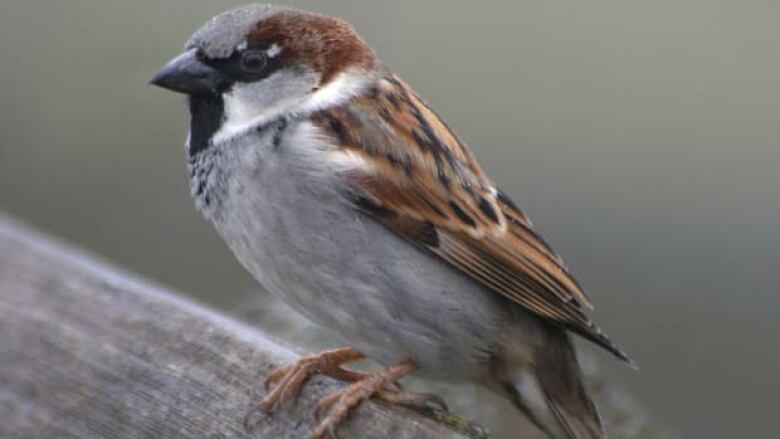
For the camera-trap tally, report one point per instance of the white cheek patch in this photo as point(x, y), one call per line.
point(252, 104)
point(284, 93)
point(240, 109)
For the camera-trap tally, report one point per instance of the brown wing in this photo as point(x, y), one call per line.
point(424, 184)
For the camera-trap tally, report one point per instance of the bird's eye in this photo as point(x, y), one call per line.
point(253, 61)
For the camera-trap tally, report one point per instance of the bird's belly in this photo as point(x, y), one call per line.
point(287, 221)
point(374, 290)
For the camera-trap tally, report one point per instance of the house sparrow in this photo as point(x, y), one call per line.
point(347, 196)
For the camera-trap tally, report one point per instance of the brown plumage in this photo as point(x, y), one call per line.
point(425, 184)
point(328, 44)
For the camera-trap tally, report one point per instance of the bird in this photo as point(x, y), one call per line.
point(349, 198)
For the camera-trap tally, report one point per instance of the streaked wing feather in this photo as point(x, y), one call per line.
point(422, 182)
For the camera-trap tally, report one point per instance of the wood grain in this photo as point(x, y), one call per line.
point(87, 350)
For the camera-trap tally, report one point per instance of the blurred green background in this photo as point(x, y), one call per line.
point(642, 137)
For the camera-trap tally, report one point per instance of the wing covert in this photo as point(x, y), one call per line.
point(423, 183)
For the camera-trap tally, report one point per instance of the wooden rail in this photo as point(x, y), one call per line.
point(87, 350)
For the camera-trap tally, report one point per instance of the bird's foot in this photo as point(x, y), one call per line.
point(288, 380)
point(382, 384)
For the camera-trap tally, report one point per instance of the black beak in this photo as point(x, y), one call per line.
point(187, 74)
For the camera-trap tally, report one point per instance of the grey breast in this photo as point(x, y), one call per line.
point(290, 225)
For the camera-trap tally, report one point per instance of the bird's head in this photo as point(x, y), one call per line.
point(251, 65)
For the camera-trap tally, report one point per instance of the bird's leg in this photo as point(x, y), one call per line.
point(290, 379)
point(341, 402)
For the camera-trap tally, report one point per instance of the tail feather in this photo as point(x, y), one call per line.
point(554, 396)
point(576, 425)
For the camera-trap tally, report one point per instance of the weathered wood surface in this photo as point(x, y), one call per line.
point(89, 351)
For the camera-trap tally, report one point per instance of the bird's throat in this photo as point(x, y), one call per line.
point(206, 116)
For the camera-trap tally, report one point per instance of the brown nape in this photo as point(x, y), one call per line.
point(328, 44)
